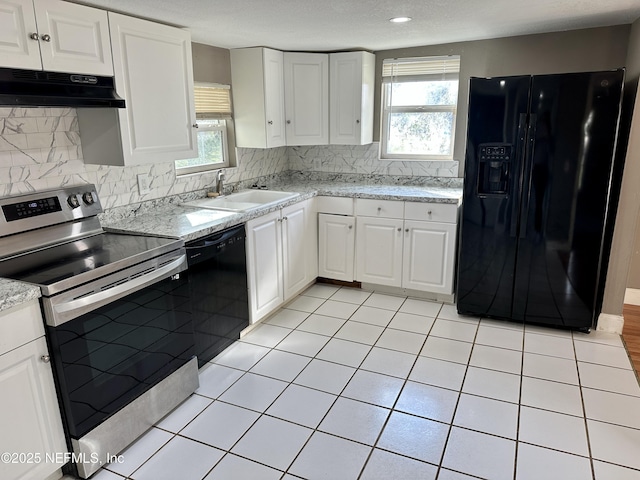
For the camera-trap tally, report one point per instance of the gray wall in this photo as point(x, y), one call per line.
point(211, 64)
point(573, 51)
point(633, 73)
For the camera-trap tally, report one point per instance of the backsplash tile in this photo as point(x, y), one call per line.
point(363, 159)
point(41, 148)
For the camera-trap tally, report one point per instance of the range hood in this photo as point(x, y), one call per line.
point(37, 88)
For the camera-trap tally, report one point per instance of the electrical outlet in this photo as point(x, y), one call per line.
point(144, 183)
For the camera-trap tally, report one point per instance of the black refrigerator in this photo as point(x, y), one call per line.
point(537, 195)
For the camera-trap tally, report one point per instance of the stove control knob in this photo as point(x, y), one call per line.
point(73, 201)
point(87, 197)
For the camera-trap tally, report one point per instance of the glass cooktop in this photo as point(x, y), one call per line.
point(84, 260)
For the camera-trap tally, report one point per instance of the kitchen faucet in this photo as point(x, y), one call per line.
point(219, 182)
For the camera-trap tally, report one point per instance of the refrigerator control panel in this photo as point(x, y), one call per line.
point(494, 167)
point(495, 152)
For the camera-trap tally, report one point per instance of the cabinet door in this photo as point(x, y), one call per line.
point(264, 265)
point(294, 249)
point(274, 97)
point(154, 74)
point(336, 247)
point(351, 98)
point(29, 412)
point(379, 247)
point(73, 38)
point(306, 89)
point(17, 23)
point(429, 256)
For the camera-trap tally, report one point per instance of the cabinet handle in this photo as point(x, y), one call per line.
point(399, 229)
point(195, 125)
point(429, 212)
point(288, 122)
point(270, 122)
point(379, 209)
point(46, 37)
point(406, 230)
point(45, 358)
point(279, 220)
point(285, 218)
point(357, 121)
point(350, 227)
point(34, 36)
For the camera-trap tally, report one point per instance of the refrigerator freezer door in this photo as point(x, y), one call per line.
point(492, 185)
point(565, 197)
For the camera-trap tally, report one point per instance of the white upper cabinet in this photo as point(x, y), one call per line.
point(154, 75)
point(258, 97)
point(306, 87)
point(351, 98)
point(54, 35)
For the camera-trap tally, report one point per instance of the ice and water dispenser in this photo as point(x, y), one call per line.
point(494, 168)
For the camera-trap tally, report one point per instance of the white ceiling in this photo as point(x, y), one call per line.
point(344, 24)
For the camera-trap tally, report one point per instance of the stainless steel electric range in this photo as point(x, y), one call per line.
point(117, 314)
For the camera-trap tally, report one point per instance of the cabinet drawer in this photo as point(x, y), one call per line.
point(436, 212)
point(379, 208)
point(335, 205)
point(20, 325)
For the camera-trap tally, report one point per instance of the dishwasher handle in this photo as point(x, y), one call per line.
point(211, 246)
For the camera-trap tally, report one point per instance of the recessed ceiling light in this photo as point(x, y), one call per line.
point(400, 19)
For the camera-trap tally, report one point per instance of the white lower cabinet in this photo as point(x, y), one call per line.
point(279, 251)
point(29, 414)
point(429, 256)
point(402, 247)
point(336, 246)
point(379, 247)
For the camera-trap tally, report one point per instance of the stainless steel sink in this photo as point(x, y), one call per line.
point(243, 201)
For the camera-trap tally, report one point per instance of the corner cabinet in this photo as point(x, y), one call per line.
point(257, 75)
point(351, 98)
point(29, 412)
point(54, 35)
point(306, 90)
point(154, 74)
point(280, 257)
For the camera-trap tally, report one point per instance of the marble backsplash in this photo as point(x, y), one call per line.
point(40, 148)
point(363, 159)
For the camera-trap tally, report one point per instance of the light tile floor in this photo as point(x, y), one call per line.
point(347, 384)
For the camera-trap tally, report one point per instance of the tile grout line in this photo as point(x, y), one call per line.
point(517, 443)
point(584, 411)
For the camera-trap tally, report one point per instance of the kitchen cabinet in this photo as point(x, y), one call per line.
point(336, 238)
point(29, 412)
point(258, 97)
point(306, 90)
point(406, 244)
point(54, 35)
point(154, 74)
point(351, 98)
point(279, 251)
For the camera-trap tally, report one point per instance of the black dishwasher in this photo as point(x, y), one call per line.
point(218, 289)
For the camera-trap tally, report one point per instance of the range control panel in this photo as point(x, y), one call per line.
point(49, 207)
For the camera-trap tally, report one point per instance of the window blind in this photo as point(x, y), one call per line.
point(212, 100)
point(396, 70)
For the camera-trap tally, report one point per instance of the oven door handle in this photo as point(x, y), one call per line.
point(66, 311)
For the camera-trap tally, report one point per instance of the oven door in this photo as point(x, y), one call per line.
point(113, 339)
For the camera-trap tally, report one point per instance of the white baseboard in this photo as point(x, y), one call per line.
point(610, 323)
point(632, 296)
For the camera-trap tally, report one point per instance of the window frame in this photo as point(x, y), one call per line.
point(387, 110)
point(226, 128)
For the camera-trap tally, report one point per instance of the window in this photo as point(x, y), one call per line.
point(419, 100)
point(213, 113)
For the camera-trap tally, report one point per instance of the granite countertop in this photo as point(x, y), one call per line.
point(189, 223)
point(14, 293)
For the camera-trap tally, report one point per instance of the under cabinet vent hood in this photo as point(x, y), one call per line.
point(36, 88)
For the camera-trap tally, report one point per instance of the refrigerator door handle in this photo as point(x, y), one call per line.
point(519, 171)
point(528, 169)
